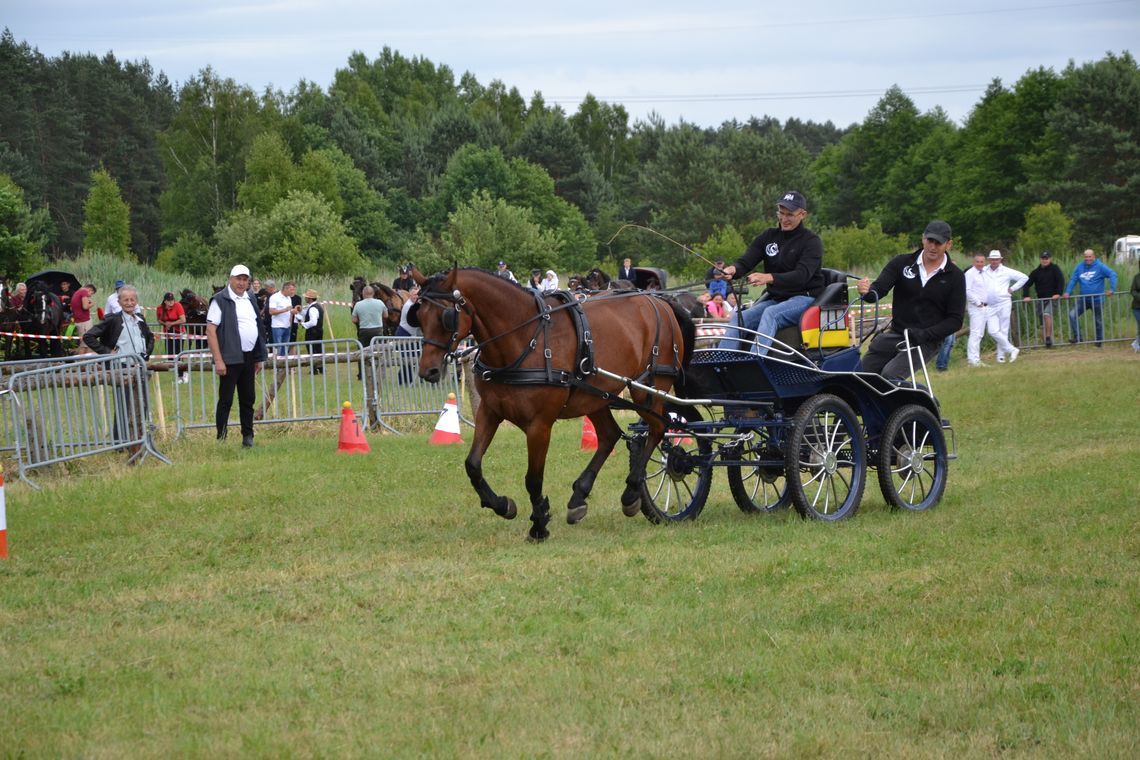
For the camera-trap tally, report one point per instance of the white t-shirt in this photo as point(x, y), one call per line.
point(247, 322)
point(281, 301)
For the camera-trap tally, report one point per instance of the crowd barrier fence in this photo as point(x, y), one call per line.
point(72, 408)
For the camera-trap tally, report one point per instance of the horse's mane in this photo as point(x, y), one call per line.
point(433, 282)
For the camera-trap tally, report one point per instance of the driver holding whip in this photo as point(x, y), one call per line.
point(792, 256)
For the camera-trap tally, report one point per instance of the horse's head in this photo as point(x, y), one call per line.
point(443, 316)
point(194, 305)
point(596, 279)
point(394, 300)
point(357, 288)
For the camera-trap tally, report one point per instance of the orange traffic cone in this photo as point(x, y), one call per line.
point(683, 440)
point(447, 428)
point(352, 439)
point(589, 435)
point(3, 520)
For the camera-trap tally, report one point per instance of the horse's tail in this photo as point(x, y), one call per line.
point(688, 330)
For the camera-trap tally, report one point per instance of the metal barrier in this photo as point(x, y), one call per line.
point(311, 381)
point(75, 408)
point(1117, 323)
point(398, 390)
point(10, 368)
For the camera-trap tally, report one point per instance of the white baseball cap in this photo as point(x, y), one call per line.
point(239, 270)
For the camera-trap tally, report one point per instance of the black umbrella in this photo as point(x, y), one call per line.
point(52, 279)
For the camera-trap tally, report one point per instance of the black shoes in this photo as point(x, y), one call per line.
point(1048, 343)
point(246, 439)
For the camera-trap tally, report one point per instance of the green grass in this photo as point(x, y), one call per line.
point(289, 601)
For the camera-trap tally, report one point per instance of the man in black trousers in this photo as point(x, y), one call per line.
point(929, 304)
point(233, 334)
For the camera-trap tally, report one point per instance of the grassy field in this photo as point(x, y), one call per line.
point(291, 602)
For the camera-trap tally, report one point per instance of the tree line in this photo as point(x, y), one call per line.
point(398, 159)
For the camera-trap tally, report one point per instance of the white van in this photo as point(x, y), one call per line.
point(1127, 249)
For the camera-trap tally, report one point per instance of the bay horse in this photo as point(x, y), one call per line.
point(393, 299)
point(545, 357)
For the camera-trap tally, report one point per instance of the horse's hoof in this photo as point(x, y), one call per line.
point(630, 507)
point(510, 510)
point(575, 515)
point(537, 536)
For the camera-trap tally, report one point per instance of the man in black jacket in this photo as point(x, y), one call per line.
point(792, 256)
point(238, 347)
point(126, 333)
point(123, 332)
point(1050, 283)
point(929, 304)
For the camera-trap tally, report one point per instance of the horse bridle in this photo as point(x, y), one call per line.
point(451, 305)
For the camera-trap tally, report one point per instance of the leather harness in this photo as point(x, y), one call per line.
point(548, 374)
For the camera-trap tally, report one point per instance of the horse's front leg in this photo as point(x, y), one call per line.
point(486, 425)
point(608, 434)
point(537, 446)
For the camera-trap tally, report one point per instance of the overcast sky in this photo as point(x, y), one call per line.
point(702, 61)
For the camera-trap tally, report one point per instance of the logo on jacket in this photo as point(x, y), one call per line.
point(908, 272)
point(1088, 276)
point(772, 249)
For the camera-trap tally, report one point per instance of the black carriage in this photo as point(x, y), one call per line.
point(801, 424)
point(649, 278)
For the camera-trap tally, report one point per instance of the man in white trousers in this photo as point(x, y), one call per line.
point(984, 314)
point(976, 307)
point(1002, 282)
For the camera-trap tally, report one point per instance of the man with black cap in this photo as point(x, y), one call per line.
point(929, 304)
point(404, 281)
point(233, 333)
point(1050, 283)
point(505, 273)
point(792, 256)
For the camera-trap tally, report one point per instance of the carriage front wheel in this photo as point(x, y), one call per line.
point(912, 459)
point(825, 460)
point(678, 473)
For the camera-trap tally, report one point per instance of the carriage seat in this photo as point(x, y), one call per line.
point(825, 324)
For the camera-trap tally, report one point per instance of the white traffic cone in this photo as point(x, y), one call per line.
point(447, 429)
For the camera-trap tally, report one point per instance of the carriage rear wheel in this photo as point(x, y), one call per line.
point(912, 459)
point(826, 459)
point(759, 487)
point(678, 473)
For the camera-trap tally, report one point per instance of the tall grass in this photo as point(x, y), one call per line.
point(289, 601)
point(103, 270)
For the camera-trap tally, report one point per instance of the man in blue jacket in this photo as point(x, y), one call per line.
point(1089, 276)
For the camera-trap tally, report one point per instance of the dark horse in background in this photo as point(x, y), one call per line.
point(538, 362)
point(195, 307)
point(42, 314)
